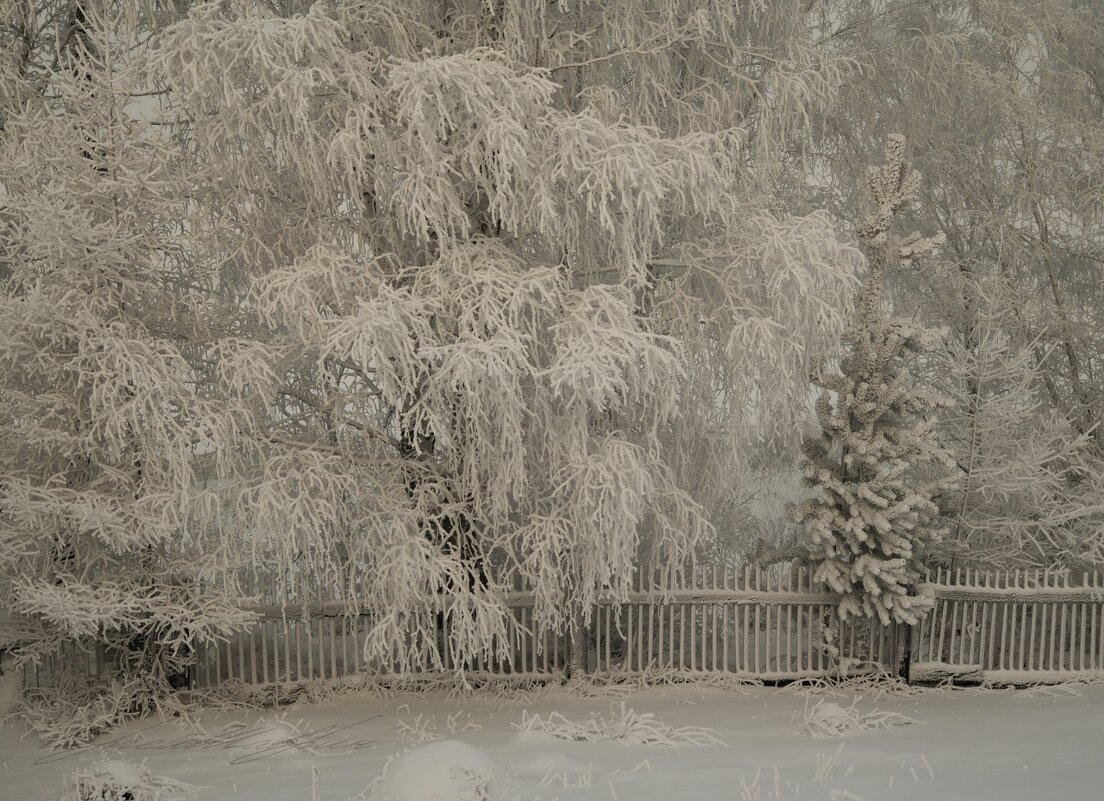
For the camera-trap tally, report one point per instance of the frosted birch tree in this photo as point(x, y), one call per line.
point(502, 286)
point(878, 466)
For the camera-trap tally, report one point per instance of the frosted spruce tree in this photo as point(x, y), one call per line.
point(877, 466)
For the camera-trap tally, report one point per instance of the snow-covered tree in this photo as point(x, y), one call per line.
point(1032, 493)
point(410, 293)
point(496, 285)
point(878, 466)
point(1003, 102)
point(100, 547)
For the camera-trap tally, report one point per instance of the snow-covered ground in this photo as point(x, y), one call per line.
point(729, 745)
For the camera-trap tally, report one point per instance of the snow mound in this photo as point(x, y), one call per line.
point(116, 780)
point(543, 765)
point(446, 770)
point(535, 738)
point(828, 719)
point(626, 726)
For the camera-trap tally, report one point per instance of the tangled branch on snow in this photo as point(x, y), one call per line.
point(828, 719)
point(627, 727)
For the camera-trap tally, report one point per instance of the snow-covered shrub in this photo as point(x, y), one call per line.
point(625, 725)
point(423, 729)
point(75, 709)
point(1072, 687)
point(829, 719)
point(115, 780)
point(876, 684)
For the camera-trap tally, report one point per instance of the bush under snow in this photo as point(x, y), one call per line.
point(447, 770)
point(115, 780)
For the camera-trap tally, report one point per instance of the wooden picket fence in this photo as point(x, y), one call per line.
point(744, 621)
point(1021, 626)
point(305, 632)
point(747, 621)
point(752, 622)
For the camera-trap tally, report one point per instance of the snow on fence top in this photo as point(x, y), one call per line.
point(1043, 586)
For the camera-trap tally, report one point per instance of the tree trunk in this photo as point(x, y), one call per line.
point(578, 650)
point(903, 655)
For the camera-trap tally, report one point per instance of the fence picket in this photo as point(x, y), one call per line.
point(767, 639)
point(1028, 644)
point(1098, 635)
point(327, 589)
point(942, 624)
point(957, 581)
point(1057, 618)
point(758, 664)
point(264, 634)
point(676, 620)
point(746, 633)
point(800, 662)
point(1005, 662)
point(641, 661)
point(966, 632)
point(933, 641)
point(651, 628)
point(609, 659)
point(284, 593)
point(985, 646)
point(779, 575)
point(713, 627)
